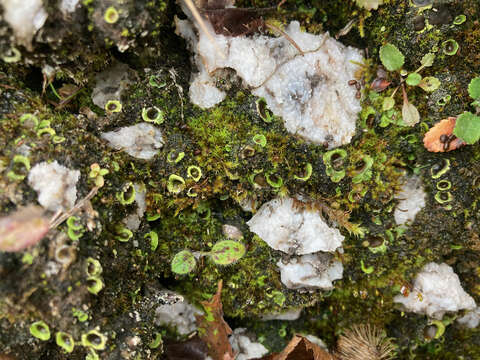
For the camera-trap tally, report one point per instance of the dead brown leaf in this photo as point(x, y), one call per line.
point(300, 348)
point(440, 138)
point(213, 329)
point(229, 21)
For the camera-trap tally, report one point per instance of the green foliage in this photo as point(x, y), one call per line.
point(227, 252)
point(183, 262)
point(429, 83)
point(427, 60)
point(410, 114)
point(391, 57)
point(474, 88)
point(467, 127)
point(413, 79)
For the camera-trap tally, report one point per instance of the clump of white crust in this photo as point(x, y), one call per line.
point(312, 271)
point(25, 18)
point(436, 290)
point(55, 185)
point(309, 91)
point(286, 225)
point(141, 141)
point(245, 345)
point(294, 230)
point(179, 315)
point(411, 200)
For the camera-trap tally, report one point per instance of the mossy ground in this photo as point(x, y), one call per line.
point(235, 171)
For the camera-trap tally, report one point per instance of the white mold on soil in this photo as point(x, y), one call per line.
point(285, 227)
point(55, 185)
point(141, 141)
point(312, 271)
point(411, 200)
point(436, 290)
point(310, 91)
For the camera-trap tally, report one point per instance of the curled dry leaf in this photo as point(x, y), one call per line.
point(23, 228)
point(440, 138)
point(192, 349)
point(300, 348)
point(213, 330)
point(230, 21)
point(379, 84)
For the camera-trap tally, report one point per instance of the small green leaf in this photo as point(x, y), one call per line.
point(429, 83)
point(427, 59)
point(413, 79)
point(410, 114)
point(388, 103)
point(391, 57)
point(474, 88)
point(183, 262)
point(467, 127)
point(227, 252)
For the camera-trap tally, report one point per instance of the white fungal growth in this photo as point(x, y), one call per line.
point(246, 347)
point(141, 141)
point(55, 185)
point(292, 230)
point(411, 200)
point(436, 290)
point(25, 17)
point(310, 92)
point(313, 271)
point(180, 315)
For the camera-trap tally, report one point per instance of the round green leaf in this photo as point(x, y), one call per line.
point(474, 88)
point(227, 252)
point(388, 103)
point(429, 83)
point(413, 79)
point(183, 262)
point(427, 59)
point(467, 127)
point(391, 57)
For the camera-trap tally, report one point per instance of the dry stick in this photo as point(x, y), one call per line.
point(285, 35)
point(191, 6)
point(57, 220)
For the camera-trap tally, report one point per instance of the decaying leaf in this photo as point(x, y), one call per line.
point(300, 348)
point(410, 113)
point(192, 349)
point(23, 228)
point(213, 330)
point(230, 21)
point(440, 138)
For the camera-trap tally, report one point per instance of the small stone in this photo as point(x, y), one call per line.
point(436, 290)
point(141, 141)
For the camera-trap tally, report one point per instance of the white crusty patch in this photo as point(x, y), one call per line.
point(180, 315)
point(25, 17)
point(310, 92)
point(293, 230)
point(436, 290)
point(312, 271)
point(411, 200)
point(55, 185)
point(141, 141)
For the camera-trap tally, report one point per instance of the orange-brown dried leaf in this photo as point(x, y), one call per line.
point(213, 329)
point(300, 348)
point(432, 142)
